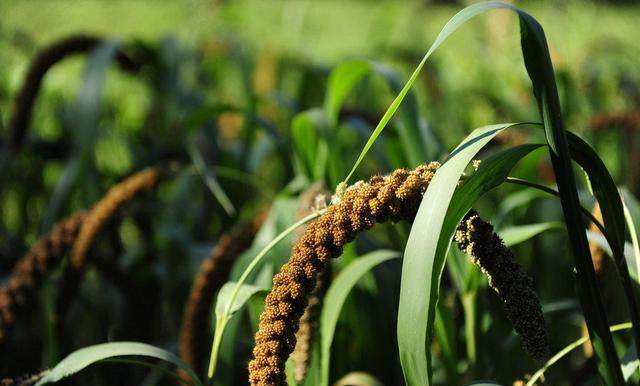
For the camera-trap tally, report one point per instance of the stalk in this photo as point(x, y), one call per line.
point(469, 305)
point(540, 69)
point(223, 320)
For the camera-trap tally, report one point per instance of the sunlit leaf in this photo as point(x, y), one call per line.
point(441, 209)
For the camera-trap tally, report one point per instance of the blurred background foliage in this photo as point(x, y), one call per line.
point(234, 92)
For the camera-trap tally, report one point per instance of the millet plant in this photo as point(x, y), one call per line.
point(305, 284)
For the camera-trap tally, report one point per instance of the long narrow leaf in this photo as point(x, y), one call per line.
point(430, 237)
point(210, 179)
point(632, 217)
point(518, 234)
point(81, 359)
point(345, 77)
point(605, 190)
point(335, 298)
point(538, 64)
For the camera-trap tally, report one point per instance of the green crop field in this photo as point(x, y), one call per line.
point(316, 193)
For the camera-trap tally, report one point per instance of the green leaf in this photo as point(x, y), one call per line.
point(341, 81)
point(440, 211)
point(245, 292)
point(307, 128)
point(290, 373)
point(81, 359)
point(517, 234)
point(606, 192)
point(540, 69)
point(632, 217)
point(516, 200)
point(538, 64)
point(240, 292)
point(281, 215)
point(630, 362)
point(452, 25)
point(345, 77)
point(83, 121)
point(566, 350)
point(445, 333)
point(210, 179)
point(602, 242)
point(335, 298)
point(603, 187)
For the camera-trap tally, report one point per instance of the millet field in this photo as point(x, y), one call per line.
point(319, 193)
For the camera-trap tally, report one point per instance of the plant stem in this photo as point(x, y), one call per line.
point(469, 306)
point(560, 354)
point(617, 254)
point(221, 324)
point(226, 315)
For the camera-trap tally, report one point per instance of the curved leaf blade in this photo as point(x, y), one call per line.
point(341, 81)
point(606, 192)
point(347, 75)
point(245, 292)
point(441, 209)
point(81, 359)
point(518, 234)
point(335, 298)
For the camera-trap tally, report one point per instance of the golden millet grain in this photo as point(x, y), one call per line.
point(391, 198)
point(311, 199)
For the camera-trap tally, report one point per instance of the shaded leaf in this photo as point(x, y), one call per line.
point(521, 233)
point(440, 211)
point(335, 298)
point(81, 359)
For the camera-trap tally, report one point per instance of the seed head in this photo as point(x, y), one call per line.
point(391, 198)
point(312, 199)
point(507, 278)
point(44, 60)
point(382, 199)
point(18, 291)
point(213, 273)
point(626, 120)
point(104, 210)
point(107, 207)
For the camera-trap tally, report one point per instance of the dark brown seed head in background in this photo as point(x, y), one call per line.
point(18, 292)
point(44, 60)
point(195, 335)
point(107, 207)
